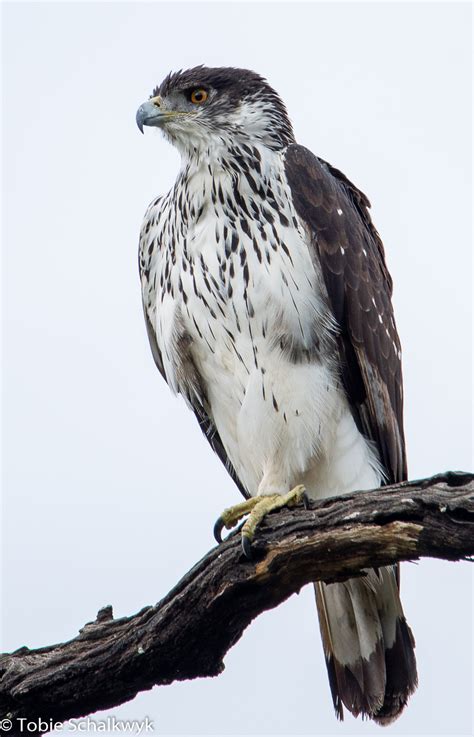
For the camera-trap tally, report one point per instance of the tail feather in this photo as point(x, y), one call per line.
point(368, 645)
point(402, 677)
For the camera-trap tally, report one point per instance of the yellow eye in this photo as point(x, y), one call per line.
point(199, 96)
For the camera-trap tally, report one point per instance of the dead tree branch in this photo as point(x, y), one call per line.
point(187, 634)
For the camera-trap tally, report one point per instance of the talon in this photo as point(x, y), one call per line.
point(257, 508)
point(232, 516)
point(218, 527)
point(247, 547)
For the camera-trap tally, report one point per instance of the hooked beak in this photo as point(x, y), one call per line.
point(151, 113)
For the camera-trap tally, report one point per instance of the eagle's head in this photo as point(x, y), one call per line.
point(204, 109)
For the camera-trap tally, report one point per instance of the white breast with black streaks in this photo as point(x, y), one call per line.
point(241, 319)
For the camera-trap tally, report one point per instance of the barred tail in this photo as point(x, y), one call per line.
point(368, 645)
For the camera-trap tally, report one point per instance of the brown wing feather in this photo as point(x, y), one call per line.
point(351, 256)
point(349, 252)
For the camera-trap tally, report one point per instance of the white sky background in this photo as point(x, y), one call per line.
point(110, 492)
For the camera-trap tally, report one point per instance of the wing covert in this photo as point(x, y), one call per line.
point(350, 253)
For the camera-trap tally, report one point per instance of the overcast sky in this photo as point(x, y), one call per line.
point(110, 491)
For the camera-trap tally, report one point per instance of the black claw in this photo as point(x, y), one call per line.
point(305, 500)
point(247, 547)
point(218, 527)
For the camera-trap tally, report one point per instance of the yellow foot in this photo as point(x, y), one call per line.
point(257, 508)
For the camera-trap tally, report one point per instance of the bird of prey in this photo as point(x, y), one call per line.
point(267, 303)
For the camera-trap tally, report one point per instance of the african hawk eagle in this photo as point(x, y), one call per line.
point(267, 302)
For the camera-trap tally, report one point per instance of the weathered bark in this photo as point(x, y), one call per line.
point(187, 634)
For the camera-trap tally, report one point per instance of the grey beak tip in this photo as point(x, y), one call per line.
point(139, 120)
